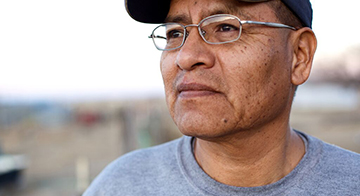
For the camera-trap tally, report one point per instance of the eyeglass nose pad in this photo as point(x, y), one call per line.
point(203, 32)
point(186, 33)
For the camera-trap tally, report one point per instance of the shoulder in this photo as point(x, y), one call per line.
point(335, 170)
point(340, 161)
point(140, 161)
point(149, 156)
point(138, 168)
point(336, 157)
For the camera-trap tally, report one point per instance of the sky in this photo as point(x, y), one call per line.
point(88, 49)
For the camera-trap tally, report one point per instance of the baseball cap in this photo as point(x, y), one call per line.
point(155, 11)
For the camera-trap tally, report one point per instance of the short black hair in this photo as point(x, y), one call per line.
point(284, 14)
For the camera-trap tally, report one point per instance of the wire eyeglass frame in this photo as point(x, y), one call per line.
point(202, 33)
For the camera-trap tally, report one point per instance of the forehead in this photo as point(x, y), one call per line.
point(186, 10)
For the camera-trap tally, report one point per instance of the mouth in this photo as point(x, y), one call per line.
point(193, 90)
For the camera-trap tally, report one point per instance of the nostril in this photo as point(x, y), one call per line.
point(198, 64)
point(191, 67)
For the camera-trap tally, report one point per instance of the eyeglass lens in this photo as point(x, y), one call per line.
point(214, 30)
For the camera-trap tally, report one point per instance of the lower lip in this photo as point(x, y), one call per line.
point(194, 94)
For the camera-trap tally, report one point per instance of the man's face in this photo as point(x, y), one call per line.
point(217, 90)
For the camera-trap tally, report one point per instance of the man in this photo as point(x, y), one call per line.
point(230, 71)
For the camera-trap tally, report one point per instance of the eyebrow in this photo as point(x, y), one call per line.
point(178, 18)
point(228, 8)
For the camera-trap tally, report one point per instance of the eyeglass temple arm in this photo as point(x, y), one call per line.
point(270, 24)
point(156, 36)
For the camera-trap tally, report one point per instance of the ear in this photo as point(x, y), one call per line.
point(304, 49)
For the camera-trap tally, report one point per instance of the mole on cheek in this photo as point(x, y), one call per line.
point(225, 120)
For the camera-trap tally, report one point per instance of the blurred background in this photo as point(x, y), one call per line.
point(80, 85)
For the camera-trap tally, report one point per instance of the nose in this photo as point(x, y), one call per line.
point(195, 53)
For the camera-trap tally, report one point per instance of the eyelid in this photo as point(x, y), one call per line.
point(174, 26)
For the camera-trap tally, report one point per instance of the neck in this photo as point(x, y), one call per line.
point(250, 158)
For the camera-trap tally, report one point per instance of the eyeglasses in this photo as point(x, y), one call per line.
point(215, 29)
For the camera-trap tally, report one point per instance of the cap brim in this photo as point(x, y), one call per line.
point(154, 11)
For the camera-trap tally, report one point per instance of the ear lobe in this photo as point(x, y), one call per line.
point(304, 49)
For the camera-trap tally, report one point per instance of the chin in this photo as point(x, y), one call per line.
point(205, 128)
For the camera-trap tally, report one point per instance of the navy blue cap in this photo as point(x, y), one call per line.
point(155, 11)
point(302, 9)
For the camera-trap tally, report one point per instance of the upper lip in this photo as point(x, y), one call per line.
point(193, 87)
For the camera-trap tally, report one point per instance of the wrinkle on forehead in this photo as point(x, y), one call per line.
point(225, 7)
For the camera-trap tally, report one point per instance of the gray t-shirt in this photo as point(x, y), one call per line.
point(171, 169)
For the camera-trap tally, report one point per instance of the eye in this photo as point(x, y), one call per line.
point(174, 34)
point(227, 27)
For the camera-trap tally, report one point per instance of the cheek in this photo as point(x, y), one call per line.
point(257, 85)
point(168, 71)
